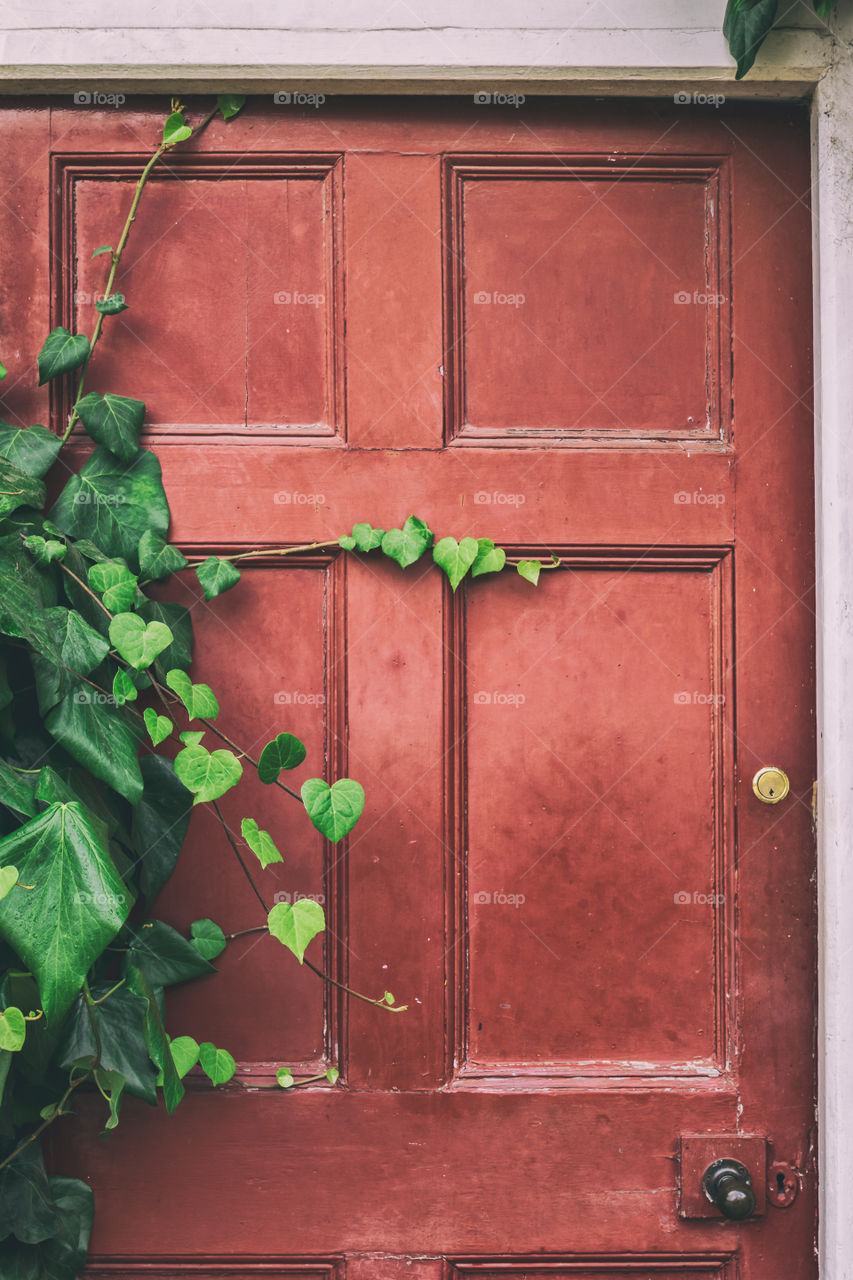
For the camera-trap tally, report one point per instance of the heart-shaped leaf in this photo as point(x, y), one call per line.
point(455, 558)
point(364, 538)
point(490, 559)
point(191, 738)
point(333, 810)
point(137, 641)
point(217, 1064)
point(157, 559)
point(114, 581)
point(111, 306)
point(230, 103)
point(8, 880)
point(111, 1085)
point(207, 774)
point(408, 544)
point(33, 449)
point(216, 576)
point(13, 1029)
point(530, 569)
point(284, 1077)
point(159, 727)
point(176, 129)
point(207, 938)
point(62, 352)
point(295, 924)
point(184, 1054)
point(124, 690)
point(284, 752)
point(113, 421)
point(199, 699)
point(260, 842)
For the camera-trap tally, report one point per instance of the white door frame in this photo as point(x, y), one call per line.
point(624, 47)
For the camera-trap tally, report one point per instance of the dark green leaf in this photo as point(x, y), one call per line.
point(156, 558)
point(284, 752)
point(98, 735)
point(62, 352)
point(207, 938)
point(112, 306)
point(216, 576)
point(177, 619)
point(16, 791)
point(333, 810)
point(120, 1021)
point(18, 489)
point(113, 421)
point(63, 1256)
point(164, 956)
point(296, 924)
point(160, 823)
point(230, 103)
point(21, 601)
point(113, 504)
point(745, 27)
point(157, 1040)
point(27, 1210)
point(408, 544)
point(77, 906)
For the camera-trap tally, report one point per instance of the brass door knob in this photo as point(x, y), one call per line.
point(771, 784)
point(728, 1185)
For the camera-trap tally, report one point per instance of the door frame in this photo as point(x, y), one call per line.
point(813, 65)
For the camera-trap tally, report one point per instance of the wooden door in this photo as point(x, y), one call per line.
point(581, 329)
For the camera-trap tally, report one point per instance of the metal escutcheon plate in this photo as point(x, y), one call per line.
point(771, 784)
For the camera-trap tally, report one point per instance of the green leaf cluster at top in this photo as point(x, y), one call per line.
point(747, 24)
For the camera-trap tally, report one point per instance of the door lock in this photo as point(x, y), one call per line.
point(771, 784)
point(728, 1185)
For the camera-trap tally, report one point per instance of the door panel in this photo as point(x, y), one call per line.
point(605, 941)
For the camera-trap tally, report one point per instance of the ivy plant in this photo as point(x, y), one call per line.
point(747, 23)
point(95, 678)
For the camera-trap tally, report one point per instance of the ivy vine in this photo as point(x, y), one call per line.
point(747, 23)
point(94, 677)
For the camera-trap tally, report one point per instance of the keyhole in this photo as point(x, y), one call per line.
point(780, 1183)
point(771, 792)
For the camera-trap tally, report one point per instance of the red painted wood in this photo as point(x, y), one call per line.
point(589, 745)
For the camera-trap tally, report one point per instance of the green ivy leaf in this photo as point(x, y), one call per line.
point(124, 690)
point(207, 938)
point(216, 575)
point(114, 504)
point(823, 8)
point(77, 905)
point(348, 544)
point(159, 727)
point(530, 569)
point(284, 1078)
point(113, 580)
point(112, 306)
point(176, 129)
point(63, 1255)
point(13, 1029)
point(164, 956)
point(32, 449)
point(111, 1085)
point(104, 248)
point(120, 1023)
point(198, 699)
point(8, 880)
point(16, 793)
point(177, 618)
point(296, 924)
point(366, 538)
point(98, 736)
point(113, 421)
point(490, 559)
point(156, 1039)
point(408, 544)
point(62, 352)
point(27, 1210)
point(217, 1064)
point(184, 1054)
point(22, 611)
point(17, 489)
point(230, 103)
point(207, 774)
point(333, 1075)
point(745, 27)
point(44, 550)
point(260, 842)
point(157, 559)
point(284, 752)
point(455, 558)
point(137, 641)
point(333, 810)
point(160, 822)
point(191, 738)
point(81, 650)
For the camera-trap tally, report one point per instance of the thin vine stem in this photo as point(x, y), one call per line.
point(272, 551)
point(55, 1115)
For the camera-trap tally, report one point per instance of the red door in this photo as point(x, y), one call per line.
point(581, 330)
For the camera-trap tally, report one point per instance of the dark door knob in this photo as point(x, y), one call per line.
point(728, 1185)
